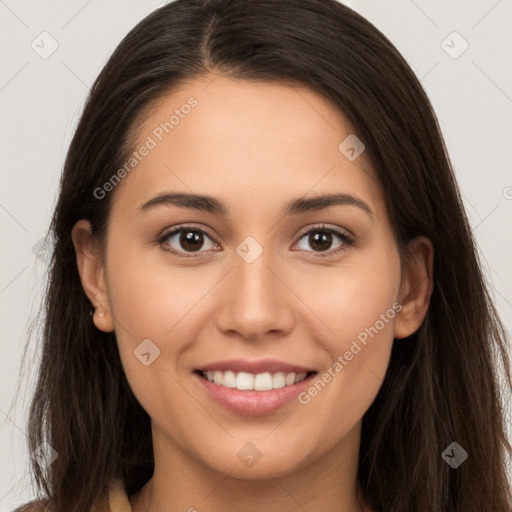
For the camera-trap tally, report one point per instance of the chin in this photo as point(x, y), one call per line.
point(258, 460)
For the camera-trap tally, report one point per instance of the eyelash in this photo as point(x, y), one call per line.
point(348, 241)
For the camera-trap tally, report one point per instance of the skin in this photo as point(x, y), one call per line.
point(255, 146)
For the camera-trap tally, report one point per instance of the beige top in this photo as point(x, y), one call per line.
point(118, 499)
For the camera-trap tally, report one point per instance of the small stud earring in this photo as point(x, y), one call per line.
point(100, 314)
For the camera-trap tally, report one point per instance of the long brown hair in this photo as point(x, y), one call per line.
point(442, 383)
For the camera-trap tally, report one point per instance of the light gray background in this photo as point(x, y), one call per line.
point(41, 99)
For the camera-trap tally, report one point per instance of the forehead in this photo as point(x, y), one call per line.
point(246, 142)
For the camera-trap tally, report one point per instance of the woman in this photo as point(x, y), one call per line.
point(265, 293)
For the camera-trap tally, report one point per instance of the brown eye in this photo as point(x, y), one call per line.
point(321, 240)
point(191, 240)
point(185, 240)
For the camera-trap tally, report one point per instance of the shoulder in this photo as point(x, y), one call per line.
point(34, 506)
point(117, 500)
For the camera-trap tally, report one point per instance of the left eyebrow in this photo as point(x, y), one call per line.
point(320, 202)
point(295, 207)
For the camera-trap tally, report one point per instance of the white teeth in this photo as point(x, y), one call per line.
point(278, 380)
point(263, 382)
point(229, 379)
point(248, 381)
point(290, 379)
point(244, 381)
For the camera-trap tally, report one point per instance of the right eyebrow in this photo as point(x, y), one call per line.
point(194, 201)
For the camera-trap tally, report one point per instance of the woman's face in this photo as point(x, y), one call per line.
point(280, 283)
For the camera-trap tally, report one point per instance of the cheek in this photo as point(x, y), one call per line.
point(152, 300)
point(351, 299)
point(149, 298)
point(358, 305)
point(147, 302)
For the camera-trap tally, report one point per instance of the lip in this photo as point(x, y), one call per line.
point(255, 367)
point(250, 402)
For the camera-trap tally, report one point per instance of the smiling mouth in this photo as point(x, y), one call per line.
point(245, 381)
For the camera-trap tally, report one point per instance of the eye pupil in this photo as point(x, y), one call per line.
point(321, 237)
point(191, 240)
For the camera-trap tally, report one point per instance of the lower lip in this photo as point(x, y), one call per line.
point(253, 403)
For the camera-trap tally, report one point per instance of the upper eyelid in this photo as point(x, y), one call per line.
point(166, 233)
point(327, 227)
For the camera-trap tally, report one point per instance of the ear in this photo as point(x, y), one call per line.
point(92, 274)
point(416, 287)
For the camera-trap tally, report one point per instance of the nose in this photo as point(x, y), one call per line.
point(256, 302)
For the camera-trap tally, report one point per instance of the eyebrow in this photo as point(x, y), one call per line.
point(295, 207)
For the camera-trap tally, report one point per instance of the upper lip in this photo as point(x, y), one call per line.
point(259, 366)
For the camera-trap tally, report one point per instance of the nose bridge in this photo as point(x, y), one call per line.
point(254, 300)
point(253, 277)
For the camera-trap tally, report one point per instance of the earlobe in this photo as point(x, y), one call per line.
point(91, 269)
point(102, 320)
point(416, 287)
